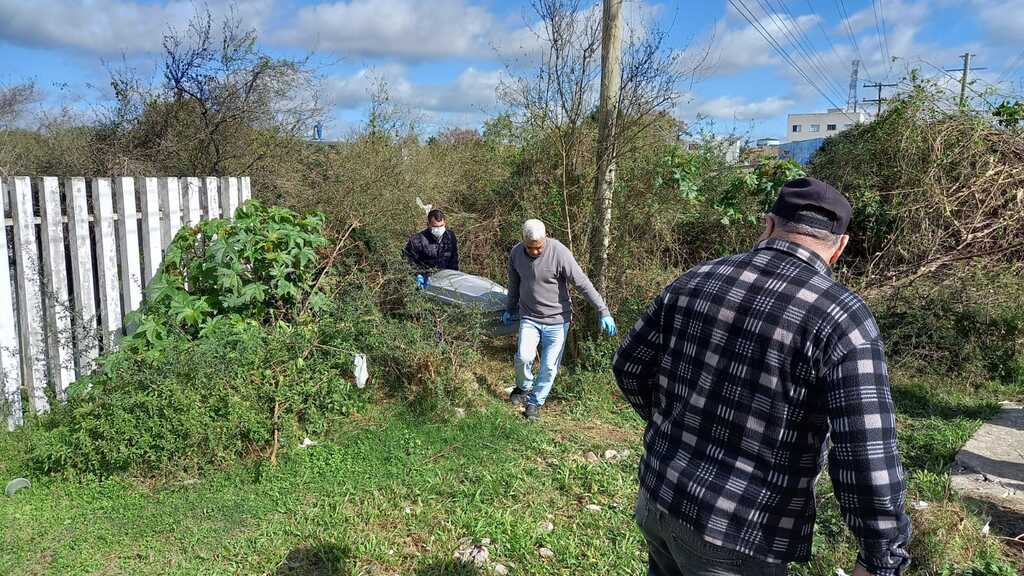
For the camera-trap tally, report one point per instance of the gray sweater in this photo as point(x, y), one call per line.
point(538, 288)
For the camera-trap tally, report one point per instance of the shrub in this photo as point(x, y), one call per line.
point(246, 345)
point(972, 324)
point(183, 403)
point(931, 186)
point(263, 265)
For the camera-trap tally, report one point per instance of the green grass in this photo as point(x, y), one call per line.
point(392, 493)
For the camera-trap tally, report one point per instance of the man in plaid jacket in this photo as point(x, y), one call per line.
point(744, 369)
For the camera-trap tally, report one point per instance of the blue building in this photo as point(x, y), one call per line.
point(800, 151)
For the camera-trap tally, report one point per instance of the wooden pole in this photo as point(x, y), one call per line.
point(611, 66)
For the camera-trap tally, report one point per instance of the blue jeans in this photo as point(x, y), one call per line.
point(551, 339)
point(675, 549)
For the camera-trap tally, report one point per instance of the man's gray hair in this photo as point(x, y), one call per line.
point(823, 236)
point(533, 230)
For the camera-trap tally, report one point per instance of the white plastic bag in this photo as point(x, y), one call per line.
point(360, 370)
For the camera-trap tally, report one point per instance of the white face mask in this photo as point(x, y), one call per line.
point(437, 231)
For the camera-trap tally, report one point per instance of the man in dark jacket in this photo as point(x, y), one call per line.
point(434, 248)
point(745, 369)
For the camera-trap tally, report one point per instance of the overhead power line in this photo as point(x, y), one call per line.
point(845, 15)
point(883, 36)
point(818, 19)
point(946, 73)
point(752, 19)
point(965, 73)
point(1014, 65)
point(878, 100)
point(813, 56)
point(806, 53)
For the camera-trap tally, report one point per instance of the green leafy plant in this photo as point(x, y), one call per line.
point(1009, 114)
point(263, 265)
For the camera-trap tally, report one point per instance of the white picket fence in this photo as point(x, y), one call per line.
point(75, 262)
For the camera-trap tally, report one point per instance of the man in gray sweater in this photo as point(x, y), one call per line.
point(540, 270)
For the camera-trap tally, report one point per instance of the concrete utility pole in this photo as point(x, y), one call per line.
point(963, 78)
point(965, 71)
point(851, 101)
point(878, 100)
point(611, 70)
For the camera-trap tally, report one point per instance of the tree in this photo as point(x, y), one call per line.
point(234, 98)
point(558, 97)
point(14, 102)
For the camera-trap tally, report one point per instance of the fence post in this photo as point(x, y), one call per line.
point(128, 240)
point(59, 340)
point(30, 297)
point(170, 204)
point(81, 273)
point(106, 262)
point(212, 198)
point(193, 212)
point(10, 367)
point(151, 249)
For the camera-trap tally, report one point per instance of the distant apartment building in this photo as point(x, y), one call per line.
point(801, 127)
point(805, 133)
point(763, 149)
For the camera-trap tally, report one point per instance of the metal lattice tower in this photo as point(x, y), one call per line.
point(851, 102)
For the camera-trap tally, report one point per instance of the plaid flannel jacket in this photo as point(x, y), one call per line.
point(743, 369)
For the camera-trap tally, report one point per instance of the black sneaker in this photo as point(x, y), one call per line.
point(532, 412)
point(517, 397)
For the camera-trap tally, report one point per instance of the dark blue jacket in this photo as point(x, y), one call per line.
point(425, 252)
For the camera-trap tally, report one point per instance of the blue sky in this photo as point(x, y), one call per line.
point(443, 59)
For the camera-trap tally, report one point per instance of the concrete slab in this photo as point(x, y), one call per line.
point(989, 469)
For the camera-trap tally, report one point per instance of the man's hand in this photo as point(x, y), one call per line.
point(421, 281)
point(506, 318)
point(608, 326)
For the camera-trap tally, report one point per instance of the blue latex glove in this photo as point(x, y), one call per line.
point(506, 318)
point(608, 326)
point(421, 281)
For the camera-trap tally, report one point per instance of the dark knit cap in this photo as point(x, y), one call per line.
point(813, 203)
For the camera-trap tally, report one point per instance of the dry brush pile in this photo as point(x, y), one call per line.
point(933, 189)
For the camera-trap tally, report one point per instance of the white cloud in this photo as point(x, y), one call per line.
point(107, 27)
point(472, 92)
point(736, 45)
point(1004, 19)
point(525, 45)
point(408, 29)
point(893, 32)
point(738, 108)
